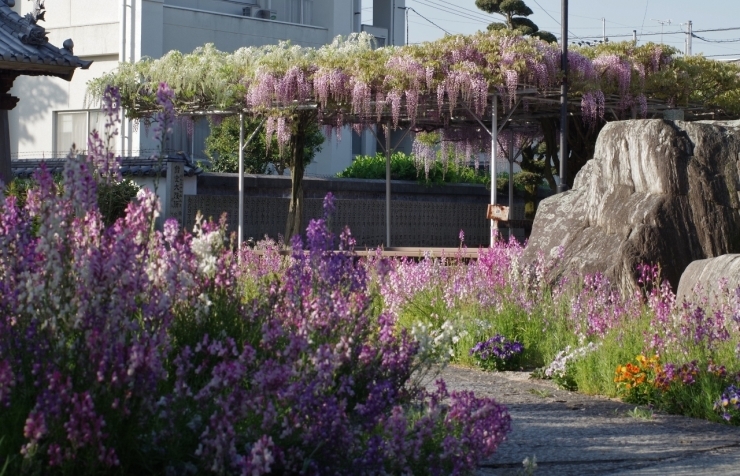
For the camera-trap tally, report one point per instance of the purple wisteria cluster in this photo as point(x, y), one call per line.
point(497, 353)
point(126, 349)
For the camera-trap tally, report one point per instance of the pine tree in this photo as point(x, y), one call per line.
point(515, 13)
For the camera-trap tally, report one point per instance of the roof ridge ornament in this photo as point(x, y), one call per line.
point(31, 33)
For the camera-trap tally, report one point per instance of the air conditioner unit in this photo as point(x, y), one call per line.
point(266, 14)
point(251, 10)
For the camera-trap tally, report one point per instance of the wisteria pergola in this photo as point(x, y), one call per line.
point(470, 88)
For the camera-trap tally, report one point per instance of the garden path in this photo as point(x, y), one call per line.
point(570, 433)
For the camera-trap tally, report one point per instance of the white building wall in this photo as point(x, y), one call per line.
point(186, 29)
point(151, 28)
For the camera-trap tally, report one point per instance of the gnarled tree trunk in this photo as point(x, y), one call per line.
point(297, 169)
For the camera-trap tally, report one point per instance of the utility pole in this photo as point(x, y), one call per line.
point(691, 37)
point(406, 9)
point(663, 23)
point(563, 185)
point(634, 37)
point(407, 24)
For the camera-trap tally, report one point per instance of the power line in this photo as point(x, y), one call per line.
point(430, 21)
point(474, 12)
point(553, 19)
point(642, 28)
point(677, 32)
point(456, 21)
point(734, 40)
point(454, 11)
point(719, 29)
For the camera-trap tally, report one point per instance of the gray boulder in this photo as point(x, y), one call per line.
point(702, 279)
point(657, 192)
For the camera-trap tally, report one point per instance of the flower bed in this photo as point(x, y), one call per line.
point(581, 332)
point(126, 350)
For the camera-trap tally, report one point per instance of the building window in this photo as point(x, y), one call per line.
point(189, 136)
point(73, 129)
point(293, 11)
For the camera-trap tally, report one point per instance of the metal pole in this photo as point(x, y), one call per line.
point(511, 182)
point(563, 185)
point(240, 233)
point(357, 16)
point(603, 30)
point(634, 37)
point(392, 32)
point(494, 144)
point(192, 137)
point(388, 186)
point(122, 59)
point(511, 174)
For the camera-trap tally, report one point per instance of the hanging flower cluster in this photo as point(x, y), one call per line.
point(351, 81)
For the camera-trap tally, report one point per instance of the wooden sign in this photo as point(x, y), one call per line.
point(498, 213)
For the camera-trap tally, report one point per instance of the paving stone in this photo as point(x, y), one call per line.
point(575, 434)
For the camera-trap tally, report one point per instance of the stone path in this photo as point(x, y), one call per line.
point(570, 433)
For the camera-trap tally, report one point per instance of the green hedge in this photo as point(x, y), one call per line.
point(403, 168)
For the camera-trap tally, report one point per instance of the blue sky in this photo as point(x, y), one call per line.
point(585, 21)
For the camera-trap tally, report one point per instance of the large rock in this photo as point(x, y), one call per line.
point(702, 279)
point(655, 192)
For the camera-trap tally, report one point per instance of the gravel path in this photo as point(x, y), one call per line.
point(570, 433)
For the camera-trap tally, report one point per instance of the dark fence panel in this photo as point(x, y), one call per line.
point(424, 216)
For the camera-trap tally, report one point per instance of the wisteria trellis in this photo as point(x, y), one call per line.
point(425, 87)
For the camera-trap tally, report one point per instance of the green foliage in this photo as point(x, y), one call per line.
point(545, 36)
point(19, 187)
point(222, 147)
point(681, 80)
point(113, 198)
point(374, 167)
point(515, 12)
point(505, 7)
point(403, 167)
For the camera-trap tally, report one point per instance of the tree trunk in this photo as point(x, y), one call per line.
point(6, 172)
point(297, 169)
point(7, 102)
point(551, 152)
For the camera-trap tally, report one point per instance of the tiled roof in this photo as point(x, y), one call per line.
point(23, 47)
point(131, 167)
